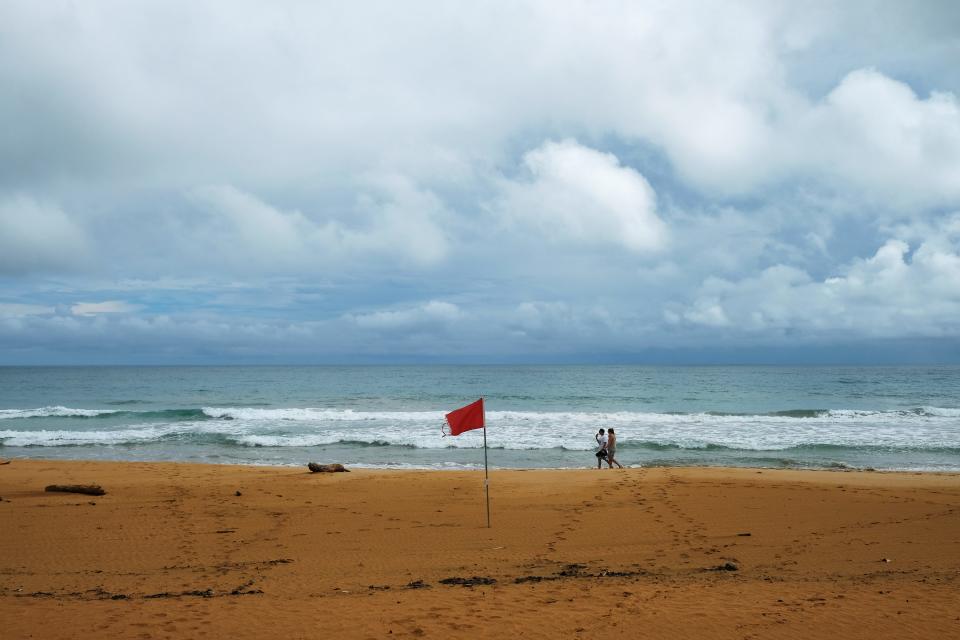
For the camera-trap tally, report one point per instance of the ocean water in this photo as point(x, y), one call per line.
point(537, 416)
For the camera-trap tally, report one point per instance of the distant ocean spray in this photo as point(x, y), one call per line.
point(538, 416)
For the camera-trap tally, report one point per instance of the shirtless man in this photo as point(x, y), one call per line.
point(612, 449)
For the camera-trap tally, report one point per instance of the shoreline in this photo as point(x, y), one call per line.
point(197, 549)
point(706, 470)
point(404, 467)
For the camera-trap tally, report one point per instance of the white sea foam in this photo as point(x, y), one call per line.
point(521, 418)
point(63, 438)
point(140, 434)
point(54, 412)
point(942, 411)
point(309, 414)
point(924, 428)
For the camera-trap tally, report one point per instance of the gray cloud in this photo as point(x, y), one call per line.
point(238, 178)
point(37, 236)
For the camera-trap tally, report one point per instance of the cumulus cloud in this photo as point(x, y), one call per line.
point(107, 306)
point(550, 321)
point(577, 195)
point(254, 230)
point(426, 316)
point(259, 97)
point(37, 236)
point(405, 221)
point(394, 219)
point(874, 132)
point(592, 175)
point(901, 290)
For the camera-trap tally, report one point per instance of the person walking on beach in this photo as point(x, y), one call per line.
point(601, 439)
point(612, 449)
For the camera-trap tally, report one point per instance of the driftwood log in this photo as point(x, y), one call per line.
point(326, 468)
point(88, 489)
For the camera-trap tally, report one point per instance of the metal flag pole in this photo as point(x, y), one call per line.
point(486, 468)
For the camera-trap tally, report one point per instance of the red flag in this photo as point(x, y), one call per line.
point(466, 418)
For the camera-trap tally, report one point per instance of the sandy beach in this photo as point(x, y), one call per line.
point(188, 551)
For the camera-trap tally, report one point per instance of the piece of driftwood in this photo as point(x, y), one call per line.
point(88, 489)
point(326, 468)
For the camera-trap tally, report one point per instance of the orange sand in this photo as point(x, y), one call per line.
point(172, 552)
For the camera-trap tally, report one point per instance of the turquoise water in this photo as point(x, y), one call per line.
point(538, 416)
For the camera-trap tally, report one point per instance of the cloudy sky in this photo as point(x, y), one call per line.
point(206, 182)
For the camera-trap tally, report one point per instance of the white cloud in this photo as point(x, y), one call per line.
point(325, 95)
point(707, 311)
point(430, 314)
point(255, 230)
point(418, 96)
point(394, 219)
point(596, 160)
point(36, 236)
point(107, 306)
point(567, 325)
point(406, 222)
point(874, 133)
point(898, 291)
point(577, 195)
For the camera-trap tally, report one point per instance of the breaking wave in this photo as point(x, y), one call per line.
point(797, 437)
point(584, 417)
point(68, 412)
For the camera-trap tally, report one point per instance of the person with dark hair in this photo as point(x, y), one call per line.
point(601, 439)
point(612, 449)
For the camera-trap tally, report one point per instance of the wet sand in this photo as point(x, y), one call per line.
point(173, 552)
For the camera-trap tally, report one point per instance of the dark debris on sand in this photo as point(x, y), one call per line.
point(726, 566)
point(417, 584)
point(468, 582)
point(578, 571)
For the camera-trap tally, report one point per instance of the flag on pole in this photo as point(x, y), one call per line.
point(466, 418)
